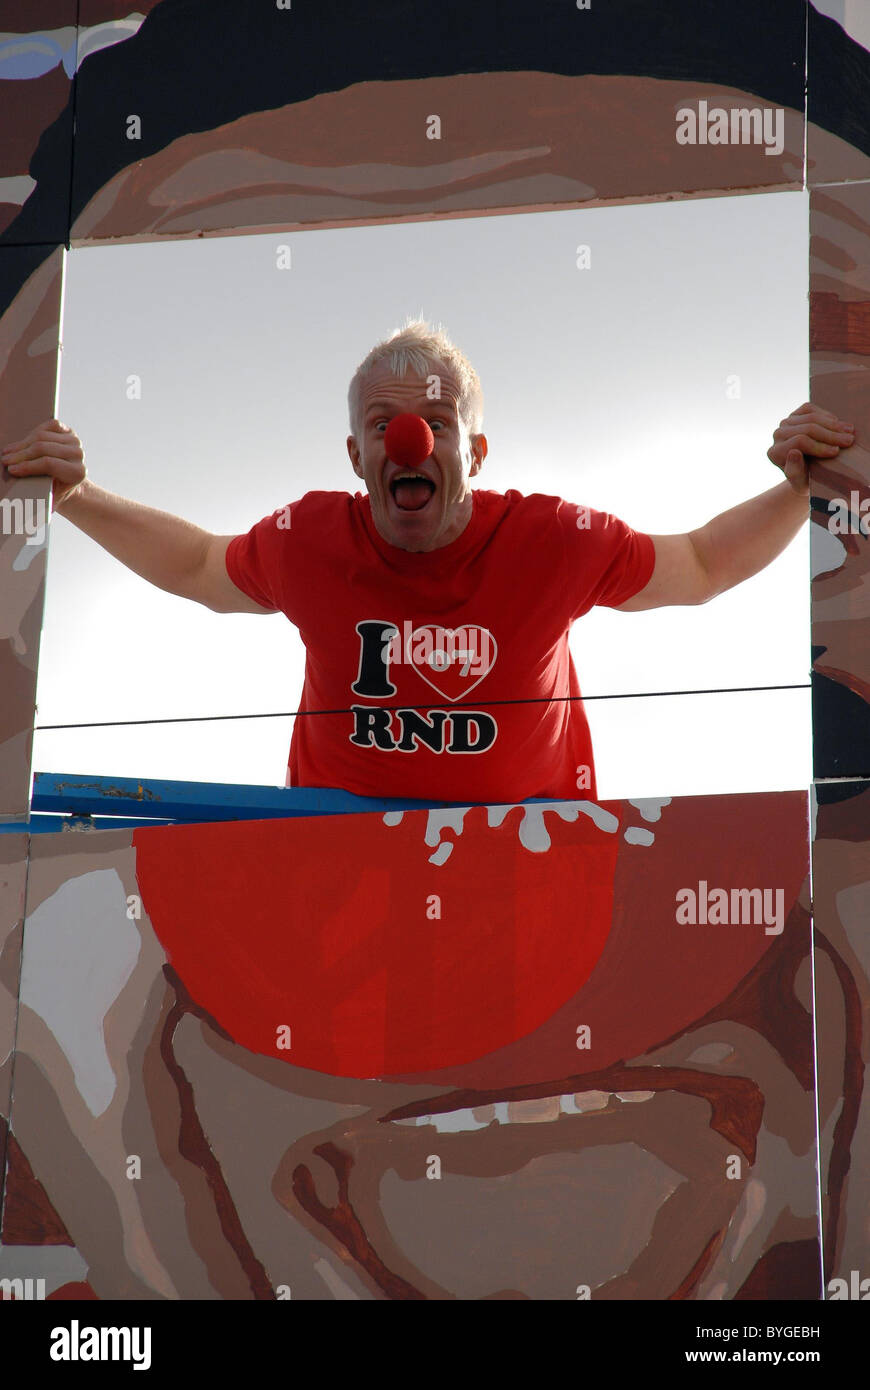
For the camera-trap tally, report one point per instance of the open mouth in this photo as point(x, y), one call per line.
point(411, 492)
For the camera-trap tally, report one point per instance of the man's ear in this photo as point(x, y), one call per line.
point(353, 451)
point(479, 450)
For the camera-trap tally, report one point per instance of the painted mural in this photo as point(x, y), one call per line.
point(571, 1057)
point(488, 1053)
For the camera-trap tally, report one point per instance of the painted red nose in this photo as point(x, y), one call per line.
point(408, 440)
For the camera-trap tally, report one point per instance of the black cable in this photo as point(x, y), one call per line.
point(458, 704)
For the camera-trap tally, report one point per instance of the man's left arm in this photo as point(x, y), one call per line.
point(695, 567)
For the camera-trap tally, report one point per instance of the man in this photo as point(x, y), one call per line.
point(436, 617)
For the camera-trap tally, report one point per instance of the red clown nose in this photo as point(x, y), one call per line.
point(408, 440)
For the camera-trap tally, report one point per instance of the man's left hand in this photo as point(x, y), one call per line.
point(808, 431)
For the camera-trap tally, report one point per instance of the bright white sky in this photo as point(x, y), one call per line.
point(606, 386)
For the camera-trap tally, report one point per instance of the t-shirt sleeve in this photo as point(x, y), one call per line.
point(253, 560)
point(606, 561)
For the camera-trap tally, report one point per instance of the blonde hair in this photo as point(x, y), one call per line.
point(420, 348)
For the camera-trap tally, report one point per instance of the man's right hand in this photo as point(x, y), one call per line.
point(51, 450)
point(173, 554)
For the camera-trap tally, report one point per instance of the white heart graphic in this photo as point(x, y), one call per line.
point(451, 649)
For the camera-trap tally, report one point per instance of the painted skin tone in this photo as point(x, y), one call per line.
point(456, 458)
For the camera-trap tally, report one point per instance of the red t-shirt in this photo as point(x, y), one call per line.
point(410, 654)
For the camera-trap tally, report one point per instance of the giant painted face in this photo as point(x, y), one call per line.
point(485, 1060)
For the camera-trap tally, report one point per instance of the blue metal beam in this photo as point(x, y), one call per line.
point(131, 801)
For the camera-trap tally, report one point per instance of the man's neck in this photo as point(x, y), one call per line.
point(459, 522)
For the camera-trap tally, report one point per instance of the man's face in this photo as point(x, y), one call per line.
point(404, 516)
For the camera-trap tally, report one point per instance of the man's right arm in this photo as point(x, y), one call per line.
point(171, 553)
point(174, 554)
